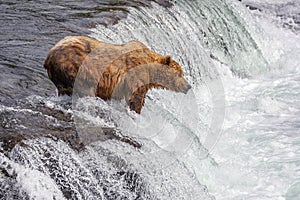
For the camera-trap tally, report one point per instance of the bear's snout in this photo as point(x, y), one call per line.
point(184, 88)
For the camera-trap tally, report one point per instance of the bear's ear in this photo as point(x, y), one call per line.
point(166, 60)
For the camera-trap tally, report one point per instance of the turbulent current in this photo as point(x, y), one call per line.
point(234, 135)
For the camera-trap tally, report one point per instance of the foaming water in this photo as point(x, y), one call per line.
point(106, 170)
point(258, 153)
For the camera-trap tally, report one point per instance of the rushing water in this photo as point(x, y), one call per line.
point(235, 135)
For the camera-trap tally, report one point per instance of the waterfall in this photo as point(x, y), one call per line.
point(173, 127)
point(192, 32)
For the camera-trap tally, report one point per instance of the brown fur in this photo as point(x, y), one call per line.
point(112, 71)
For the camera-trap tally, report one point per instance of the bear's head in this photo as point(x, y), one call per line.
point(173, 75)
point(164, 73)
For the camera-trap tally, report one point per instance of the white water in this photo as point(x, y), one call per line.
point(258, 153)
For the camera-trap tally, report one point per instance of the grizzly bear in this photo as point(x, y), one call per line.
point(112, 71)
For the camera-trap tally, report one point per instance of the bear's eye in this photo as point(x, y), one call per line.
point(179, 75)
point(168, 62)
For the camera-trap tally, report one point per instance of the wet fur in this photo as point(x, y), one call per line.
point(116, 71)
